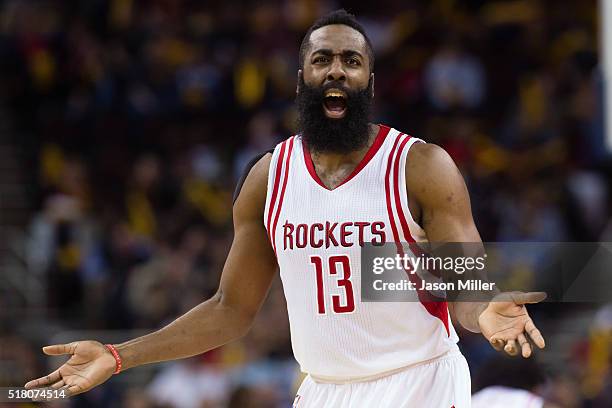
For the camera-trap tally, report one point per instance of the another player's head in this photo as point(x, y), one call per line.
point(335, 84)
point(525, 374)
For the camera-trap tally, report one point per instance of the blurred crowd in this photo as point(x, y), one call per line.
point(142, 115)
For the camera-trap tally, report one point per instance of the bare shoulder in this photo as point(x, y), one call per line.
point(431, 173)
point(251, 199)
point(429, 157)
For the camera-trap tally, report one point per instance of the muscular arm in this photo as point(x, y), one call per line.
point(438, 194)
point(246, 278)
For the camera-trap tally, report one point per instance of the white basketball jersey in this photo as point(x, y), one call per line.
point(317, 234)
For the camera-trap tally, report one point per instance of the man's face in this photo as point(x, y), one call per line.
point(335, 89)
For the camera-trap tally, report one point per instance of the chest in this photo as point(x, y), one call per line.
point(348, 216)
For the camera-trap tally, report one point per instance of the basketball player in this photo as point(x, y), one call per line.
point(504, 382)
point(307, 208)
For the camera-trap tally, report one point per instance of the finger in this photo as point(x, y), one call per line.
point(58, 384)
point(73, 390)
point(530, 297)
point(59, 349)
point(535, 334)
point(497, 344)
point(44, 381)
point(511, 348)
point(525, 346)
point(63, 390)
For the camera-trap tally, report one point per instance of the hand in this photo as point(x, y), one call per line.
point(505, 322)
point(90, 364)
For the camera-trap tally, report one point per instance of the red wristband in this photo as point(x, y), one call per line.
point(115, 354)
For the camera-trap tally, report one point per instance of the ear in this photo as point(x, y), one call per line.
point(372, 79)
point(297, 85)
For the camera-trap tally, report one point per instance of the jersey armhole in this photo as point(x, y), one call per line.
point(246, 172)
point(405, 196)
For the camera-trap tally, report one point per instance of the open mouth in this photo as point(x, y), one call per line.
point(334, 103)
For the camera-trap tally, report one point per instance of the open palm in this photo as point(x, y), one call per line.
point(90, 364)
point(505, 322)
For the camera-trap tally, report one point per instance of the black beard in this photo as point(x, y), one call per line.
point(323, 134)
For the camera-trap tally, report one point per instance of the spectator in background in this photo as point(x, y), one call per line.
point(530, 213)
point(504, 382)
point(262, 136)
point(587, 202)
point(190, 383)
point(203, 188)
point(598, 373)
point(454, 78)
point(172, 281)
point(62, 235)
point(140, 202)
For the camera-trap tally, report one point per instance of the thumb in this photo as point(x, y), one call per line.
point(529, 297)
point(59, 349)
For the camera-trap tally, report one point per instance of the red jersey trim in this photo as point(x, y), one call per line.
point(383, 131)
point(388, 192)
point(277, 177)
point(282, 194)
point(396, 190)
point(437, 309)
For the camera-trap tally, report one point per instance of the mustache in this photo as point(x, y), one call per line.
point(320, 90)
point(335, 85)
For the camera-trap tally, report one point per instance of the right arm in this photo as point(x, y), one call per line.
point(246, 278)
point(228, 315)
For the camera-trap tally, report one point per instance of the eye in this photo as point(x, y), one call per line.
point(320, 59)
point(353, 61)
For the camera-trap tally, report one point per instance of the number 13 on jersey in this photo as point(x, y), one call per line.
point(344, 282)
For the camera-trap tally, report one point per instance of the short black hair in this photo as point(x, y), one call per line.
point(342, 17)
point(506, 371)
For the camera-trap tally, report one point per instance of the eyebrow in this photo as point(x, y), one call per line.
point(345, 53)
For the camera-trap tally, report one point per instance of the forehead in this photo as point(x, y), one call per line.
point(338, 38)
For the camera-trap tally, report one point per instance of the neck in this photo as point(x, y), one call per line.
point(333, 167)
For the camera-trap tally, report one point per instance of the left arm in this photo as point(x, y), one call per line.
point(437, 193)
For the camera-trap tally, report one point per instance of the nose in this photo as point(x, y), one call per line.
point(336, 71)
